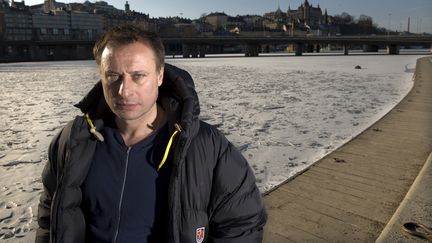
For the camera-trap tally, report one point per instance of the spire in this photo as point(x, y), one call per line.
point(127, 7)
point(326, 17)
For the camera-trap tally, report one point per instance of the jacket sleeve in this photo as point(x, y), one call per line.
point(49, 181)
point(239, 214)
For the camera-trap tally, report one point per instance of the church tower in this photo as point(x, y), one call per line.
point(306, 11)
point(326, 20)
point(127, 7)
point(49, 5)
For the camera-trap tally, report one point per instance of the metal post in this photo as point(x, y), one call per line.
point(389, 24)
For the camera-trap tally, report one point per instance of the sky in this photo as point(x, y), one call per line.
point(385, 13)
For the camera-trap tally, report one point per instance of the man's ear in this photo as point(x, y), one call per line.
point(160, 76)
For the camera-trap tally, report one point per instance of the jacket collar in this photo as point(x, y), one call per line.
point(177, 96)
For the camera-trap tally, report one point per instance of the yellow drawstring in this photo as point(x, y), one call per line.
point(168, 147)
point(89, 121)
point(99, 137)
point(93, 130)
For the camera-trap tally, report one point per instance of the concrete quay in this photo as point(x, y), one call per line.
point(364, 190)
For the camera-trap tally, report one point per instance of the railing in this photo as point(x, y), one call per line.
point(305, 39)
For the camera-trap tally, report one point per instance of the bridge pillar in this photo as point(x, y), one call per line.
point(346, 49)
point(190, 50)
point(251, 50)
point(370, 48)
point(392, 49)
point(194, 51)
point(298, 49)
point(36, 53)
point(186, 50)
point(33, 52)
point(202, 50)
point(265, 48)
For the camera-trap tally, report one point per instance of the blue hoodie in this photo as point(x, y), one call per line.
point(124, 196)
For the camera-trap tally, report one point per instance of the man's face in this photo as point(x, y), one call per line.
point(130, 80)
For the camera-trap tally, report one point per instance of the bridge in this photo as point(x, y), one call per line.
point(198, 46)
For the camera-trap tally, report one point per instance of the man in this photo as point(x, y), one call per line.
point(140, 166)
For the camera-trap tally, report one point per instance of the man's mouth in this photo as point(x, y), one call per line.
point(126, 105)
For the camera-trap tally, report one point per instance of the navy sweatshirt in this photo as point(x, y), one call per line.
point(124, 196)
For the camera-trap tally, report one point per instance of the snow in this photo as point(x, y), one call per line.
point(283, 112)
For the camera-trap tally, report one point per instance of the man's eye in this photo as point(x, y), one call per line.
point(112, 77)
point(138, 76)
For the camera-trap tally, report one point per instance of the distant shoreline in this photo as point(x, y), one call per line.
point(272, 54)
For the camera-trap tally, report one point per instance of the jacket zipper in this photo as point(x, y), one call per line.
point(121, 196)
point(174, 185)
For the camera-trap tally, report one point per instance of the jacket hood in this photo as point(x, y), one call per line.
point(177, 96)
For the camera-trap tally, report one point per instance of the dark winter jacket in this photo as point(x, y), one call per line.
point(211, 185)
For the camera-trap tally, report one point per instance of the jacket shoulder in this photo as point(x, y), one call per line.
point(212, 139)
point(60, 143)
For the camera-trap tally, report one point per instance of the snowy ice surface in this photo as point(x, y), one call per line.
point(282, 112)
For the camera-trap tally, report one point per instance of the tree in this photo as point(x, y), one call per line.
point(365, 20)
point(344, 18)
point(365, 24)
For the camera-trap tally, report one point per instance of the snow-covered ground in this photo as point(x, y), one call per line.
point(282, 112)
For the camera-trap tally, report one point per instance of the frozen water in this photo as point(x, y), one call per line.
point(282, 112)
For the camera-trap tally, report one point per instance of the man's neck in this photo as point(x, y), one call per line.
point(134, 131)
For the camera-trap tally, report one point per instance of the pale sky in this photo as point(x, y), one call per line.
point(385, 13)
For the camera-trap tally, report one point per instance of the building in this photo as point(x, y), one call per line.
point(252, 22)
point(275, 20)
point(203, 27)
point(306, 14)
point(57, 31)
point(15, 30)
point(115, 19)
point(86, 26)
point(235, 24)
point(15, 24)
point(217, 20)
point(51, 26)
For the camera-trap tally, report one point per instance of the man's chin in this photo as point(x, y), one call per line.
point(127, 116)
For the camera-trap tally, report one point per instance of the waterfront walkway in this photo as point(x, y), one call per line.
point(353, 193)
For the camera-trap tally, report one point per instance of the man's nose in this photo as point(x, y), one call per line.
point(126, 86)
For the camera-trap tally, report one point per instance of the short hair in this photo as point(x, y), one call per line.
point(127, 34)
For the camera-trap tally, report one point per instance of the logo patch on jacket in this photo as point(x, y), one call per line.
point(200, 233)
